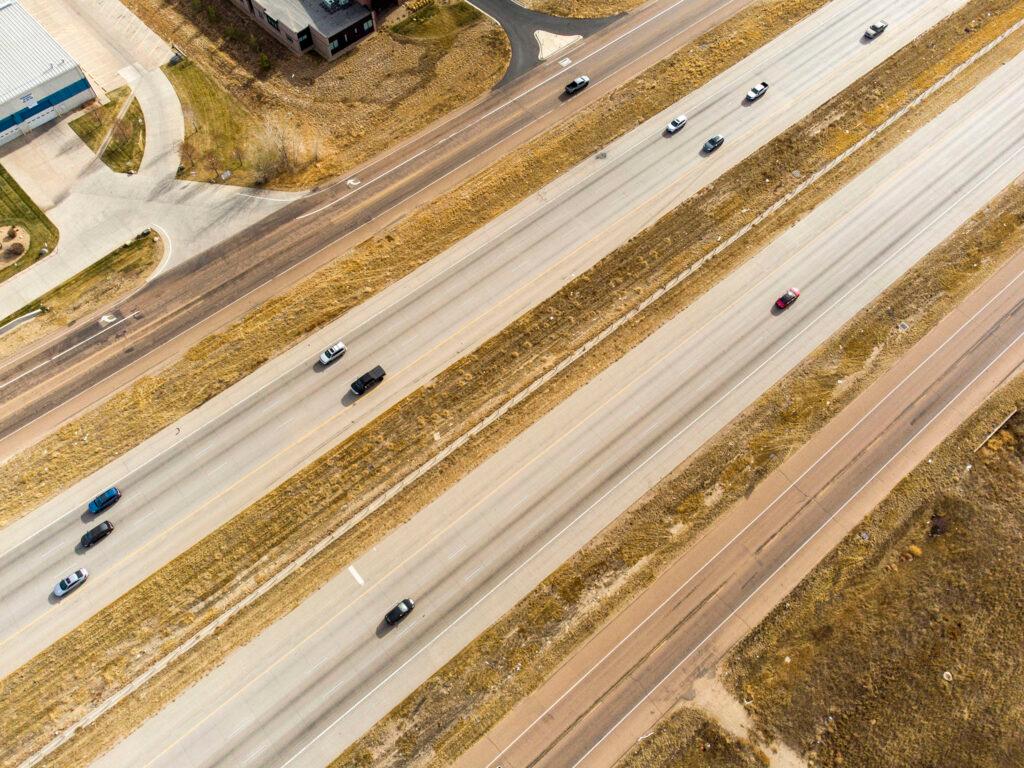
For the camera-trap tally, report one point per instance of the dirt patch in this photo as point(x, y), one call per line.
point(14, 243)
point(906, 648)
point(193, 589)
point(298, 119)
point(113, 276)
point(583, 9)
point(17, 209)
point(224, 358)
point(687, 738)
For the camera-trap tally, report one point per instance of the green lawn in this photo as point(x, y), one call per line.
point(127, 135)
point(17, 208)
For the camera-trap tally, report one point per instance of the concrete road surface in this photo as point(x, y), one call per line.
point(60, 376)
point(643, 662)
point(310, 684)
point(192, 477)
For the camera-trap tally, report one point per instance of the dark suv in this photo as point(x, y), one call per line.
point(368, 380)
point(400, 611)
point(98, 533)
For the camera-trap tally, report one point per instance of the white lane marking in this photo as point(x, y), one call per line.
point(454, 552)
point(629, 475)
point(256, 754)
point(799, 549)
point(753, 521)
point(66, 351)
point(355, 575)
point(51, 549)
point(530, 90)
point(472, 573)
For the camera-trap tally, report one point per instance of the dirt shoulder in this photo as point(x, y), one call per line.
point(905, 643)
point(583, 9)
point(295, 120)
point(690, 739)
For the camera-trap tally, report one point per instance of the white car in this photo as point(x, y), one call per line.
point(675, 124)
point(69, 583)
point(757, 91)
point(875, 30)
point(332, 353)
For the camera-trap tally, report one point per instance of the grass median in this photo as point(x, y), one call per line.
point(119, 272)
point(153, 402)
point(126, 132)
point(583, 9)
point(246, 551)
point(903, 646)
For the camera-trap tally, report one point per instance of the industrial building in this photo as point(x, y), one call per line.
point(39, 81)
point(325, 26)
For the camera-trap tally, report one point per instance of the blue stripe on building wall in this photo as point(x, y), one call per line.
point(45, 103)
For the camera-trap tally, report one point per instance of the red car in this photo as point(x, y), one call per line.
point(787, 298)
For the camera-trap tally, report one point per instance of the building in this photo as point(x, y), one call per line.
point(39, 81)
point(326, 26)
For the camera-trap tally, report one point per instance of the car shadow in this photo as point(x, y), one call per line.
point(52, 599)
point(87, 516)
point(348, 398)
point(776, 310)
point(384, 628)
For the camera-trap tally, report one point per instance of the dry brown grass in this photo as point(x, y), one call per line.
point(191, 591)
point(114, 275)
point(874, 628)
point(687, 738)
point(224, 358)
point(315, 118)
point(583, 9)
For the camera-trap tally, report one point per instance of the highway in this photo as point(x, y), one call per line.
point(197, 474)
point(644, 661)
point(48, 383)
point(311, 683)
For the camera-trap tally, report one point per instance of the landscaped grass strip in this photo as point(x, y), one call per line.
point(221, 569)
point(153, 402)
point(16, 207)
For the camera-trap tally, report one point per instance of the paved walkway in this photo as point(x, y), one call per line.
point(521, 25)
point(95, 209)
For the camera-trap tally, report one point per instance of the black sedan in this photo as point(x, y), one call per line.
point(400, 611)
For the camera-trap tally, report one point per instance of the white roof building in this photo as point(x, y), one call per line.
point(39, 81)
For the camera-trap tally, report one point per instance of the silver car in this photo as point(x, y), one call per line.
point(875, 30)
point(70, 583)
point(675, 124)
point(332, 353)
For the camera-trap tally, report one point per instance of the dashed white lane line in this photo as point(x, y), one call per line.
point(355, 575)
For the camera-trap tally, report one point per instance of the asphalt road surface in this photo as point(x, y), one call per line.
point(53, 380)
point(310, 684)
point(199, 473)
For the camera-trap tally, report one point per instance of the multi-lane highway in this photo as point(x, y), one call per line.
point(195, 475)
point(640, 665)
point(307, 686)
point(51, 381)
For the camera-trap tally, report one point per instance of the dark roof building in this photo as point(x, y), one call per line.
point(326, 26)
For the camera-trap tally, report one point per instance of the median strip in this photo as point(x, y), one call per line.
point(222, 569)
point(210, 367)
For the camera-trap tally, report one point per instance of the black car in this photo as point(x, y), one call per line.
point(577, 85)
point(714, 143)
point(98, 533)
point(368, 380)
point(400, 611)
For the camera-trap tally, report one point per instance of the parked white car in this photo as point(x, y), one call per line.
point(675, 124)
point(332, 353)
point(875, 30)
